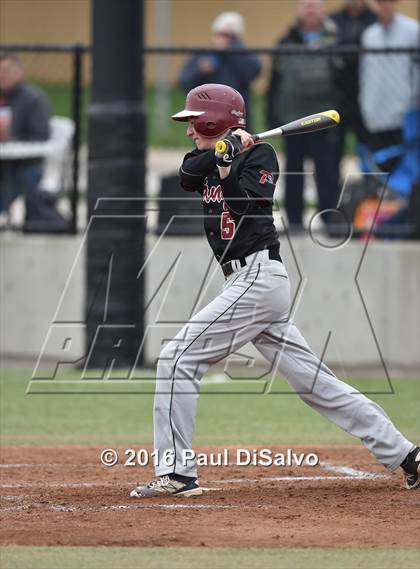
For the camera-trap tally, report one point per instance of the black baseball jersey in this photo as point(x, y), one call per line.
point(238, 212)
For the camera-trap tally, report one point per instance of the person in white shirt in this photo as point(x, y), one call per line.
point(389, 83)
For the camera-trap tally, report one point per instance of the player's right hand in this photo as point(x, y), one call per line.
point(245, 137)
point(227, 149)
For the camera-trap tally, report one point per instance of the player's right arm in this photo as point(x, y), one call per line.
point(195, 167)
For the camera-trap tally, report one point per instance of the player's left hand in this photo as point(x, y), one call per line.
point(233, 147)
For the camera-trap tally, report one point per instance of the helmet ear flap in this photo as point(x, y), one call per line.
point(211, 125)
point(207, 128)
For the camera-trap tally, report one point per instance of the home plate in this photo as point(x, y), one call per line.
point(197, 492)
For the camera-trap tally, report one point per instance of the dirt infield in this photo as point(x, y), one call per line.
point(65, 496)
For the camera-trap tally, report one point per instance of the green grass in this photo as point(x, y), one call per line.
point(223, 419)
point(217, 558)
point(60, 97)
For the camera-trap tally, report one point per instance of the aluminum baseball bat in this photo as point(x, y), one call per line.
point(311, 123)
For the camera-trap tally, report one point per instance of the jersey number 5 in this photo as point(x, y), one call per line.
point(227, 226)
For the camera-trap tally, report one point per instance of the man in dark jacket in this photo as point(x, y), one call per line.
point(301, 85)
point(28, 121)
point(351, 20)
point(234, 70)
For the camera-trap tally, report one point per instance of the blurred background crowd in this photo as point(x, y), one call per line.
point(368, 167)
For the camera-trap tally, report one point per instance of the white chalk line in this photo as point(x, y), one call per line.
point(116, 484)
point(13, 497)
point(22, 465)
point(343, 473)
point(325, 465)
point(63, 508)
point(298, 478)
point(350, 471)
point(54, 465)
point(64, 484)
point(368, 476)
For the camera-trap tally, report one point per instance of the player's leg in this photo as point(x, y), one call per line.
point(284, 346)
point(231, 320)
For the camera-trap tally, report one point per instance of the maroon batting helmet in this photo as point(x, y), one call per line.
point(216, 108)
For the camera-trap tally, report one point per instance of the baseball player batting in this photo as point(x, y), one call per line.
point(237, 182)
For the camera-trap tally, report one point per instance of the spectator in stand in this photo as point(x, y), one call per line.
point(301, 85)
point(351, 20)
point(389, 100)
point(25, 117)
point(235, 70)
point(389, 83)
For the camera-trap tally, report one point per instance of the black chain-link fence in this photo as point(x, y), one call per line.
point(368, 165)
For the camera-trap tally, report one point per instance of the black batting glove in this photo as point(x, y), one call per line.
point(232, 147)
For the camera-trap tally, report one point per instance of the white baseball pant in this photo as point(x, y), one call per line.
point(254, 306)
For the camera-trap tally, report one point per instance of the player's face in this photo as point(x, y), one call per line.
point(201, 142)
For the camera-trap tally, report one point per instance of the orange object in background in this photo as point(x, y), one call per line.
point(370, 211)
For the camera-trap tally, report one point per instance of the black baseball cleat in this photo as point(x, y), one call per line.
point(411, 468)
point(167, 486)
